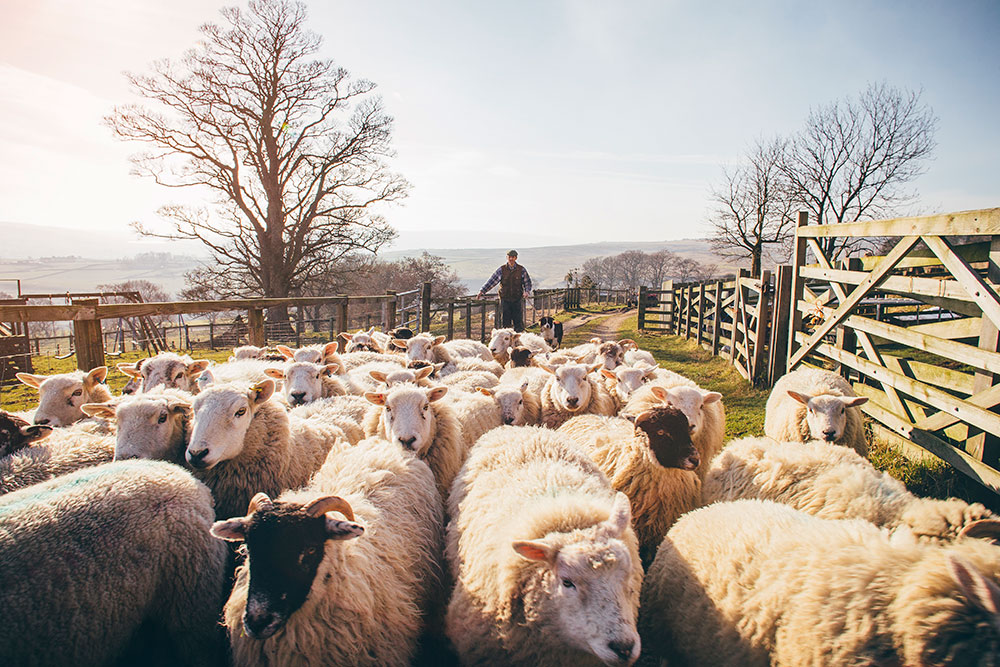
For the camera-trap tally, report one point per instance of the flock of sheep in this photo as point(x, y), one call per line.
point(410, 498)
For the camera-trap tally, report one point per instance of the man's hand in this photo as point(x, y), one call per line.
point(479, 296)
point(527, 296)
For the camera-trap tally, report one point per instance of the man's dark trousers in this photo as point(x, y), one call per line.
point(511, 314)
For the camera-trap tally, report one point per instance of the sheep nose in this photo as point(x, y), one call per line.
point(41, 422)
point(197, 459)
point(691, 462)
point(572, 402)
point(829, 436)
point(508, 420)
point(622, 648)
point(257, 625)
point(298, 397)
point(408, 442)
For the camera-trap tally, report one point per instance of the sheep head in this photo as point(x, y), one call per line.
point(172, 371)
point(286, 543)
point(220, 420)
point(150, 426)
point(407, 418)
point(303, 380)
point(60, 396)
point(666, 429)
point(826, 414)
point(581, 585)
point(17, 433)
point(572, 390)
point(511, 402)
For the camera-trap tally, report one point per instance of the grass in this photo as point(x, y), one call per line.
point(926, 476)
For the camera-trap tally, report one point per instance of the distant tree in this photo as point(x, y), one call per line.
point(752, 207)
point(658, 267)
point(148, 291)
point(855, 156)
point(294, 149)
point(632, 265)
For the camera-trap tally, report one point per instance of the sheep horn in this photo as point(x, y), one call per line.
point(259, 502)
point(321, 506)
point(984, 528)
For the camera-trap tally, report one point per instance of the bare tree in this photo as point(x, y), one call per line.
point(854, 157)
point(658, 265)
point(294, 149)
point(752, 206)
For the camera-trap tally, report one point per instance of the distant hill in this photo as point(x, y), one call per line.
point(81, 274)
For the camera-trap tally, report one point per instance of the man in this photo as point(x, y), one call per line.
point(515, 286)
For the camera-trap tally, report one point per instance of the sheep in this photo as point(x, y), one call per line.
point(63, 451)
point(154, 425)
point(354, 360)
point(244, 370)
point(584, 353)
point(546, 566)
point(503, 340)
point(242, 442)
point(402, 333)
point(477, 364)
point(468, 381)
point(571, 391)
point(520, 357)
point(536, 378)
point(418, 376)
point(320, 353)
point(424, 347)
point(518, 405)
point(347, 412)
point(60, 396)
point(552, 331)
point(365, 564)
point(758, 583)
point(88, 559)
point(813, 404)
point(832, 483)
point(360, 380)
point(416, 419)
point(305, 382)
point(477, 413)
point(610, 354)
point(134, 384)
point(625, 380)
point(634, 356)
point(168, 369)
point(651, 459)
point(703, 409)
point(246, 352)
point(17, 433)
point(365, 341)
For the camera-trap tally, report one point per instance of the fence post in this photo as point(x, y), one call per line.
point(847, 339)
point(341, 311)
point(763, 320)
point(451, 320)
point(389, 311)
point(482, 323)
point(687, 311)
point(211, 335)
point(737, 312)
point(798, 286)
point(675, 311)
point(425, 307)
point(255, 327)
point(300, 321)
point(642, 307)
point(468, 319)
point(701, 312)
point(87, 336)
point(780, 324)
point(717, 318)
point(982, 445)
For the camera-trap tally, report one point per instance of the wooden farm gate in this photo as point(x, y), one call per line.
point(932, 381)
point(15, 346)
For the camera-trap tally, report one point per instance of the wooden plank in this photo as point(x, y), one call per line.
point(982, 293)
point(933, 396)
point(701, 314)
point(716, 317)
point(739, 369)
point(782, 304)
point(945, 378)
point(973, 253)
point(798, 284)
point(955, 430)
point(964, 223)
point(902, 285)
point(984, 446)
point(760, 335)
point(847, 305)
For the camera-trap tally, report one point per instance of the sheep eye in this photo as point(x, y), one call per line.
point(521, 402)
point(163, 418)
point(568, 584)
point(660, 432)
point(842, 409)
point(241, 412)
point(78, 392)
point(426, 407)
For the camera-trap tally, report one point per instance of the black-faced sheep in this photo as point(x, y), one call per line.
point(757, 583)
point(815, 404)
point(832, 483)
point(60, 396)
point(545, 561)
point(88, 559)
point(652, 461)
point(520, 357)
point(17, 433)
point(338, 580)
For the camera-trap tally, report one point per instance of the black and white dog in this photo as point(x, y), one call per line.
point(552, 332)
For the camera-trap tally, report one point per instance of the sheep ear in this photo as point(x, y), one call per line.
point(854, 401)
point(988, 529)
point(331, 348)
point(438, 367)
point(608, 374)
point(436, 393)
point(378, 376)
point(31, 380)
point(397, 342)
point(371, 331)
point(95, 377)
point(129, 370)
point(424, 372)
point(179, 406)
point(650, 370)
point(484, 391)
point(261, 391)
point(524, 386)
point(439, 340)
point(546, 368)
point(535, 550)
point(199, 366)
point(35, 432)
point(275, 373)
point(375, 398)
point(231, 530)
point(346, 336)
point(619, 518)
point(801, 398)
point(634, 418)
point(285, 351)
point(710, 397)
point(660, 393)
point(205, 379)
point(980, 591)
point(104, 410)
point(593, 368)
point(338, 529)
point(331, 369)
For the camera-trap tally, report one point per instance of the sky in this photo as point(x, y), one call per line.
point(522, 122)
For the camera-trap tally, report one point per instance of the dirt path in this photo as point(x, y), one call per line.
point(607, 329)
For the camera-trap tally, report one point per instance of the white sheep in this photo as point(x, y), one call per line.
point(425, 347)
point(757, 583)
point(366, 564)
point(305, 382)
point(347, 412)
point(832, 483)
point(502, 341)
point(469, 381)
point(477, 413)
point(89, 559)
point(353, 360)
point(63, 451)
point(417, 420)
point(572, 391)
point(320, 353)
point(625, 380)
point(651, 459)
point(417, 376)
point(545, 562)
point(246, 352)
point(703, 409)
point(242, 442)
point(634, 355)
point(815, 404)
point(477, 364)
point(168, 369)
point(153, 425)
point(518, 406)
point(60, 396)
point(360, 380)
point(365, 341)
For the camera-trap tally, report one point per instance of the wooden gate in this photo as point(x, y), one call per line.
point(925, 316)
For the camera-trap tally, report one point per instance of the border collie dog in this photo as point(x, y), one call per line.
point(552, 332)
